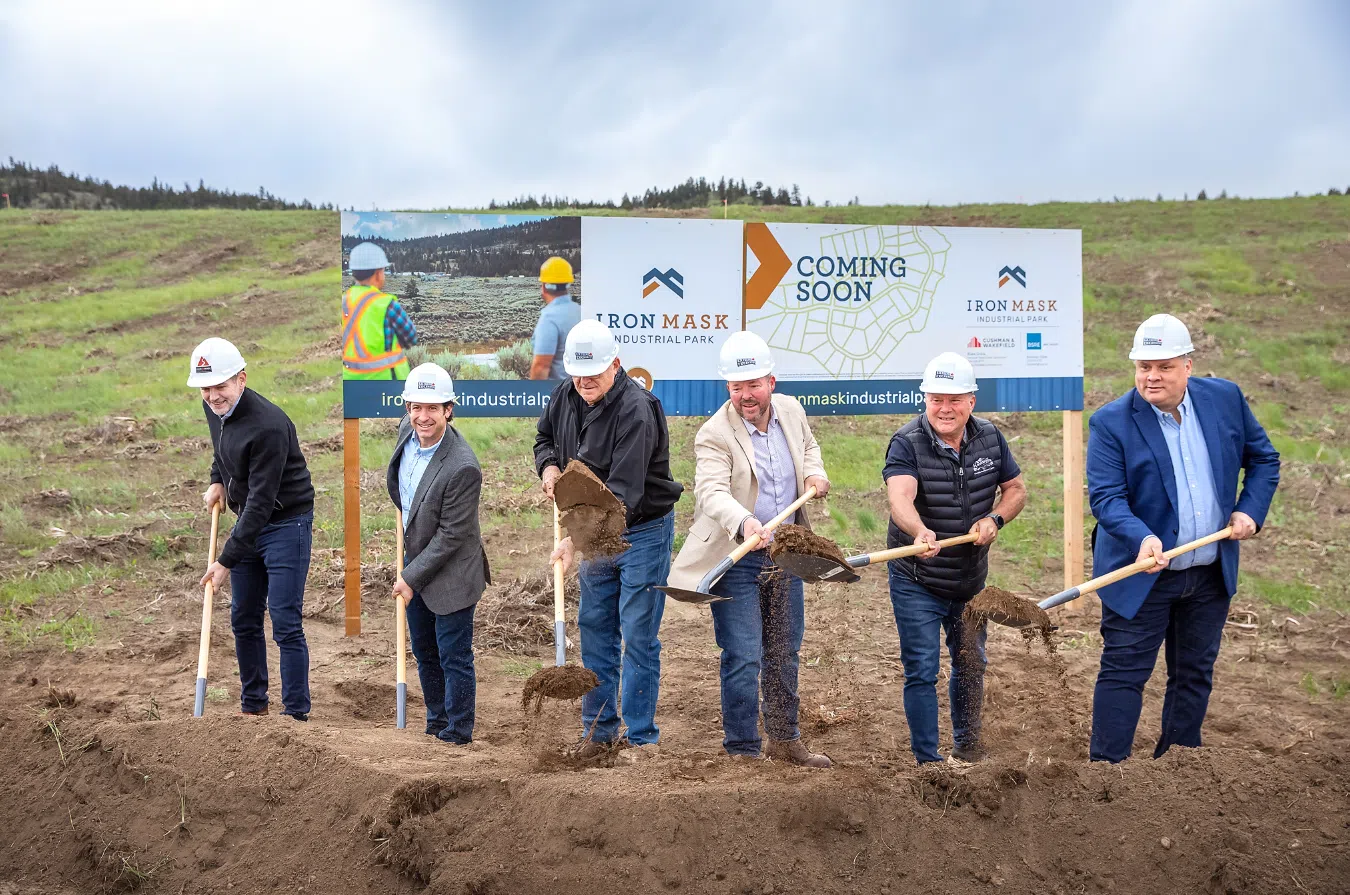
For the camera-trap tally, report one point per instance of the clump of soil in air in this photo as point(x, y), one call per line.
point(593, 517)
point(558, 682)
point(801, 540)
point(59, 699)
point(998, 605)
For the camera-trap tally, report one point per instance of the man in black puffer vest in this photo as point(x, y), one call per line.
point(943, 472)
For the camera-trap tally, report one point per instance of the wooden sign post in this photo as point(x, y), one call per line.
point(1073, 498)
point(351, 523)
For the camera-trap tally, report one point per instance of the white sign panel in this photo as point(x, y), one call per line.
point(876, 302)
point(669, 290)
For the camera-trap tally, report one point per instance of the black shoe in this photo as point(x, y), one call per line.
point(300, 716)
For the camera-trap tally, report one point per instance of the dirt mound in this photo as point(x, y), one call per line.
point(517, 616)
point(50, 499)
point(370, 701)
point(74, 550)
point(118, 430)
point(591, 515)
point(801, 540)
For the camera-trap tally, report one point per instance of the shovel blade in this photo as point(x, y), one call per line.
point(690, 596)
point(810, 567)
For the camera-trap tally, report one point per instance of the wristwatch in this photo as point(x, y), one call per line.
point(998, 520)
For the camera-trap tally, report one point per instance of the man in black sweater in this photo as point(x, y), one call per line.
point(618, 429)
point(258, 472)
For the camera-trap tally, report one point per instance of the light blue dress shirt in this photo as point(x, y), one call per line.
point(1198, 512)
point(774, 468)
point(414, 463)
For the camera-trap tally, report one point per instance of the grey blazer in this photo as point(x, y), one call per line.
point(444, 559)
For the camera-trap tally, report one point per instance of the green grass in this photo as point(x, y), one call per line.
point(132, 293)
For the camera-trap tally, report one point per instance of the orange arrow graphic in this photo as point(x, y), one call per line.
point(773, 264)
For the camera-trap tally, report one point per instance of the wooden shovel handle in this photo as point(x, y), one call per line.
point(753, 542)
point(557, 567)
point(400, 611)
point(204, 645)
point(913, 550)
point(1144, 565)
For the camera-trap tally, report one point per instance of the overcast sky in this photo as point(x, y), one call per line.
point(405, 104)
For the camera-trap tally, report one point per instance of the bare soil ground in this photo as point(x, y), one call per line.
point(109, 785)
point(124, 790)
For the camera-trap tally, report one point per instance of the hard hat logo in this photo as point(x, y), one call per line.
point(583, 355)
point(745, 362)
point(429, 384)
point(203, 365)
point(944, 374)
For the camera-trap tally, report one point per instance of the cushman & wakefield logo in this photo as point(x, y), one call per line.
point(1016, 274)
point(992, 342)
point(655, 279)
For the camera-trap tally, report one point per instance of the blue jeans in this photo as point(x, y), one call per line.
point(920, 617)
point(619, 617)
point(760, 627)
point(443, 647)
point(1186, 610)
point(272, 578)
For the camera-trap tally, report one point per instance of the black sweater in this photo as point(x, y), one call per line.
point(258, 459)
point(623, 439)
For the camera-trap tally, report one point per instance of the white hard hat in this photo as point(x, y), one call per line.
point(1161, 337)
point(367, 256)
point(744, 356)
point(212, 362)
point(428, 384)
point(590, 349)
point(949, 374)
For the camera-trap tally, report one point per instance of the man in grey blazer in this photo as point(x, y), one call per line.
point(435, 479)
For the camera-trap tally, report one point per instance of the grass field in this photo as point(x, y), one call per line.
point(103, 309)
point(111, 785)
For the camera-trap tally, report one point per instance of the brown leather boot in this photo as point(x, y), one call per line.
point(796, 752)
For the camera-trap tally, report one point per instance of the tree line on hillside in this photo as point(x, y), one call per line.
point(514, 250)
point(693, 193)
point(32, 187)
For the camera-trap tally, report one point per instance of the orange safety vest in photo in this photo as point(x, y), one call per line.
point(363, 352)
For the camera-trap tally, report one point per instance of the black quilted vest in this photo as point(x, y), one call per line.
point(951, 497)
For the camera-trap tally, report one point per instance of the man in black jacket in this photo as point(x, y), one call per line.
point(257, 470)
point(618, 429)
point(943, 471)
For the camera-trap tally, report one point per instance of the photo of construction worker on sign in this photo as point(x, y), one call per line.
point(375, 330)
point(483, 296)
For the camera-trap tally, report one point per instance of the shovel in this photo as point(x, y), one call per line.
point(400, 630)
point(199, 704)
point(703, 594)
point(812, 568)
point(1026, 614)
point(561, 681)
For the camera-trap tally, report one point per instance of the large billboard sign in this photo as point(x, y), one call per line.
point(852, 312)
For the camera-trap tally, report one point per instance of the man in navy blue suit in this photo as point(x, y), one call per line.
point(1162, 468)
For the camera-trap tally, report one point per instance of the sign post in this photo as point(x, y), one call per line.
point(351, 524)
point(1073, 498)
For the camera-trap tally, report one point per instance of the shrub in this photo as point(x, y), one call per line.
point(516, 359)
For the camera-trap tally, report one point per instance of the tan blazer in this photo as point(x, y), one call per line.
point(726, 485)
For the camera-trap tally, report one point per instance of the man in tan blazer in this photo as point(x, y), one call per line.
point(755, 456)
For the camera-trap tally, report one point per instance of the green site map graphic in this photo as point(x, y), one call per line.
point(853, 339)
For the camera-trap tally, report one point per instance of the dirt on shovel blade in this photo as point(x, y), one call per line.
point(803, 541)
point(998, 605)
point(558, 682)
point(593, 517)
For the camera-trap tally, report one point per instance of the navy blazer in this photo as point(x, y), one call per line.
point(1133, 490)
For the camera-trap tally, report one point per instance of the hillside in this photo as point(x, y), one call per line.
point(103, 456)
